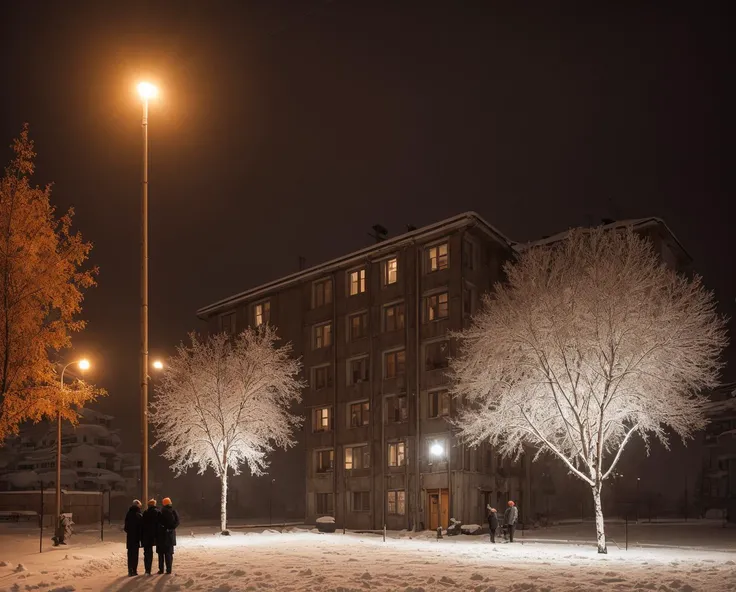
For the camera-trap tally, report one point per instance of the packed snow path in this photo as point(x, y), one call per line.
point(299, 561)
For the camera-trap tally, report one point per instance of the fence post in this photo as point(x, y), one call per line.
point(40, 535)
point(627, 531)
point(102, 516)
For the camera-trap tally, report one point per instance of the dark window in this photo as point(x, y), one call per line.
point(397, 409)
point(358, 326)
point(321, 293)
point(468, 301)
point(358, 370)
point(324, 504)
point(361, 501)
point(324, 461)
point(468, 254)
point(227, 323)
point(359, 414)
point(436, 355)
point(439, 404)
point(322, 336)
point(393, 317)
point(321, 377)
point(394, 364)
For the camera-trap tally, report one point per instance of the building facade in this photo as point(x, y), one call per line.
point(719, 454)
point(372, 331)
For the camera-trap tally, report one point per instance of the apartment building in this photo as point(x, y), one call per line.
point(372, 331)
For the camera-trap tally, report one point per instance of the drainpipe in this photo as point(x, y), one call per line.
point(334, 398)
point(417, 390)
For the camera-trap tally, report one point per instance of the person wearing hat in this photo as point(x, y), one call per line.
point(149, 529)
point(133, 536)
point(166, 539)
point(510, 517)
point(492, 522)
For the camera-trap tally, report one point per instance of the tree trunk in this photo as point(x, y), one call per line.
point(223, 502)
point(599, 525)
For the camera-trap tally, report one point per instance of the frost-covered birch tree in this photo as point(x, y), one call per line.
point(225, 402)
point(591, 342)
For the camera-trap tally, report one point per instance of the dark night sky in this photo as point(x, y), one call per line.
point(289, 128)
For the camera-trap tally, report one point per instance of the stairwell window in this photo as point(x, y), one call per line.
point(396, 454)
point(322, 419)
point(437, 257)
point(436, 307)
point(393, 317)
point(397, 409)
point(358, 325)
point(358, 370)
point(394, 364)
point(322, 336)
point(321, 377)
point(262, 313)
point(324, 461)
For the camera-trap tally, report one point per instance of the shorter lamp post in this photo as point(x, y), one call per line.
point(437, 450)
point(270, 504)
point(638, 481)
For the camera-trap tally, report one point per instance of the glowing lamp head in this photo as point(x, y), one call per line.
point(83, 364)
point(158, 365)
point(147, 90)
point(437, 449)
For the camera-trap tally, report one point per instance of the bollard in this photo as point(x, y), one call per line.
point(384, 533)
point(439, 533)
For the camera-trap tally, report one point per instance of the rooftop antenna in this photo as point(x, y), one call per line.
point(379, 233)
point(302, 263)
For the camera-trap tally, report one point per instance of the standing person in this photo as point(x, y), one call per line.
point(133, 536)
point(166, 539)
point(510, 517)
point(149, 529)
point(492, 522)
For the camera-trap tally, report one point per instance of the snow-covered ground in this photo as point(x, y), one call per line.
point(301, 560)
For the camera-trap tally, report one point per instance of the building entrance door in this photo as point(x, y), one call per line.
point(438, 508)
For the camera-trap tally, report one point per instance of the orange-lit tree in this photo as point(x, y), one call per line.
point(42, 280)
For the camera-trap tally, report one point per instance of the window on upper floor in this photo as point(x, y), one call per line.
point(397, 409)
point(322, 336)
point(390, 271)
point(358, 457)
point(436, 257)
point(396, 454)
point(436, 355)
point(358, 370)
point(436, 307)
point(393, 317)
point(321, 377)
point(438, 404)
point(227, 323)
point(358, 325)
point(262, 313)
point(356, 282)
point(468, 254)
point(324, 460)
point(394, 364)
point(359, 414)
point(321, 292)
point(322, 419)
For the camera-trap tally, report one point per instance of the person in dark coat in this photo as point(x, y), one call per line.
point(166, 538)
point(133, 536)
point(492, 523)
point(510, 518)
point(149, 530)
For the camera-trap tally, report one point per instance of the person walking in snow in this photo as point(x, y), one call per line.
point(149, 529)
point(492, 522)
point(133, 536)
point(510, 517)
point(166, 538)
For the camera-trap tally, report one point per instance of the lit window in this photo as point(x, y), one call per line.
point(357, 457)
point(396, 454)
point(394, 364)
point(358, 325)
point(437, 258)
point(397, 409)
point(324, 461)
point(322, 419)
point(321, 377)
point(390, 271)
point(396, 502)
point(322, 336)
point(227, 323)
point(321, 293)
point(439, 404)
point(361, 501)
point(357, 282)
point(393, 317)
point(358, 370)
point(262, 312)
point(436, 355)
point(359, 414)
point(436, 307)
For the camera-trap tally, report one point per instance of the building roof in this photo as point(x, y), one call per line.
point(388, 245)
point(634, 224)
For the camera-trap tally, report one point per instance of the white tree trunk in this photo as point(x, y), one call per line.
point(599, 525)
point(223, 502)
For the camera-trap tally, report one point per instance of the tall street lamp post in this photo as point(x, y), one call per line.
point(83, 365)
point(146, 91)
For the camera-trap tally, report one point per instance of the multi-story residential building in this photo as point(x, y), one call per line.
point(371, 328)
point(372, 331)
point(719, 466)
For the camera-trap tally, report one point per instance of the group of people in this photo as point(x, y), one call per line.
point(510, 518)
point(151, 528)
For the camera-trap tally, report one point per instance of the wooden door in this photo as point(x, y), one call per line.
point(445, 507)
point(433, 505)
